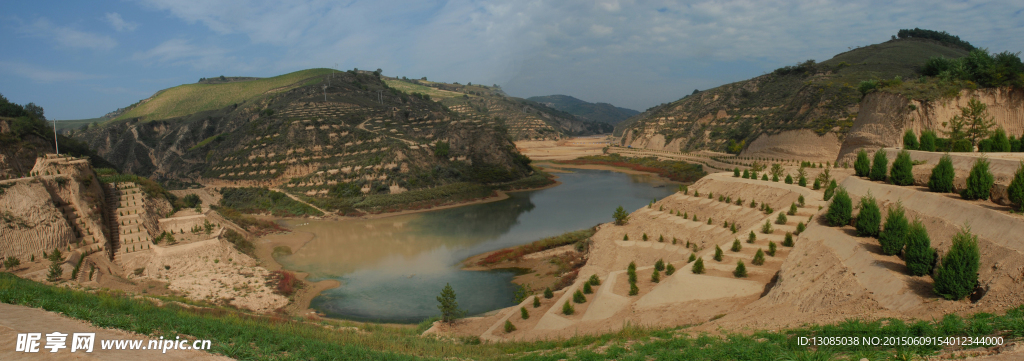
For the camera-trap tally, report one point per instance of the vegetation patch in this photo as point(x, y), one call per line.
point(674, 170)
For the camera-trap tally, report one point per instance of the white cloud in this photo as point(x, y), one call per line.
point(41, 75)
point(182, 52)
point(119, 23)
point(68, 37)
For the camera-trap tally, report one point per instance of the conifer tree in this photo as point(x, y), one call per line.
point(862, 166)
point(567, 309)
point(941, 180)
point(655, 276)
point(698, 266)
point(523, 313)
point(718, 253)
point(771, 248)
point(788, 241)
point(633, 289)
point(781, 219)
point(594, 280)
point(957, 275)
point(751, 237)
point(448, 305)
point(879, 166)
point(792, 209)
point(979, 182)
point(587, 289)
point(659, 265)
point(536, 301)
point(741, 270)
point(736, 246)
point(919, 255)
point(870, 217)
point(927, 141)
point(840, 210)
point(758, 258)
point(578, 297)
point(902, 172)
point(894, 236)
point(509, 327)
point(548, 294)
point(693, 257)
point(1016, 189)
point(670, 269)
point(910, 140)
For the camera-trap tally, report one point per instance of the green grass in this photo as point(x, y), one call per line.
point(261, 200)
point(206, 141)
point(245, 336)
point(434, 93)
point(449, 193)
point(191, 98)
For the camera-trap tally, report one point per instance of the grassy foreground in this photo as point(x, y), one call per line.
point(249, 337)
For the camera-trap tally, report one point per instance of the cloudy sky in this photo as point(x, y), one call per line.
point(83, 59)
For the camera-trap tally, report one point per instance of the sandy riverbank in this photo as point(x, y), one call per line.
point(293, 240)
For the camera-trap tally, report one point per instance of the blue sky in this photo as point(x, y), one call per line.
point(84, 59)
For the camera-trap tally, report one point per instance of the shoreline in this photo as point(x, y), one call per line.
point(265, 254)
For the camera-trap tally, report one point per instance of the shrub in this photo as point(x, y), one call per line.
point(509, 327)
point(1016, 188)
point(772, 248)
point(523, 313)
point(633, 289)
point(736, 246)
point(775, 178)
point(1000, 143)
point(632, 275)
point(894, 236)
point(870, 217)
point(942, 177)
point(698, 266)
point(587, 289)
point(758, 258)
point(764, 177)
point(862, 166)
point(957, 275)
point(910, 140)
point(789, 179)
point(792, 209)
point(751, 237)
point(919, 255)
point(670, 269)
point(767, 227)
point(661, 238)
point(817, 185)
point(631, 267)
point(11, 262)
point(718, 253)
point(746, 174)
point(979, 182)
point(800, 227)
point(578, 297)
point(927, 141)
point(693, 257)
point(659, 265)
point(548, 294)
point(644, 237)
point(620, 215)
point(55, 272)
point(902, 172)
point(625, 237)
point(840, 210)
point(753, 204)
point(802, 181)
point(741, 270)
point(735, 172)
point(830, 190)
point(594, 280)
point(962, 146)
point(781, 219)
point(655, 276)
point(567, 308)
point(536, 301)
point(879, 166)
point(788, 241)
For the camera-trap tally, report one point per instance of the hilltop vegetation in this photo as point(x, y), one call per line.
point(808, 95)
point(597, 112)
point(25, 135)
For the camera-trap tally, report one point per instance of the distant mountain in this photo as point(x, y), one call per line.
point(597, 112)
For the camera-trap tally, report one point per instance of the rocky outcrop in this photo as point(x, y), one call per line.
point(884, 117)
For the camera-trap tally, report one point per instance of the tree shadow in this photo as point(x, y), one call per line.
point(771, 284)
point(921, 287)
point(897, 267)
point(873, 247)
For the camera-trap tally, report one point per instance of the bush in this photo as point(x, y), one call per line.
point(698, 266)
point(910, 140)
point(567, 308)
point(781, 219)
point(55, 272)
point(879, 166)
point(789, 179)
point(862, 166)
point(746, 174)
point(800, 228)
point(957, 275)
point(894, 236)
point(741, 270)
point(764, 177)
point(587, 289)
point(942, 177)
point(655, 276)
point(902, 172)
point(772, 248)
point(927, 141)
point(632, 275)
point(817, 185)
point(693, 257)
point(802, 181)
point(633, 290)
point(736, 246)
point(767, 227)
point(919, 255)
point(594, 280)
point(962, 146)
point(536, 302)
point(870, 217)
point(523, 313)
point(736, 172)
point(659, 265)
point(758, 258)
point(788, 241)
point(1016, 188)
point(792, 209)
point(751, 237)
point(670, 269)
point(830, 190)
point(620, 215)
point(718, 253)
point(999, 141)
point(548, 294)
point(840, 210)
point(578, 297)
point(979, 182)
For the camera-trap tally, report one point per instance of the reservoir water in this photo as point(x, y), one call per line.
point(392, 269)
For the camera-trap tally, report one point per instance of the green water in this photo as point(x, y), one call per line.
point(392, 269)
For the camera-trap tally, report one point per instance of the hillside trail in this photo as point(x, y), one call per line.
point(16, 319)
point(299, 200)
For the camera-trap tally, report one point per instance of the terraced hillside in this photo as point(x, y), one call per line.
point(356, 137)
point(814, 103)
point(524, 119)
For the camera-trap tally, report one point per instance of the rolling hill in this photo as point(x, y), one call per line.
point(596, 112)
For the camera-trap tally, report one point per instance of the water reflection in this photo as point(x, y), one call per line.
point(392, 269)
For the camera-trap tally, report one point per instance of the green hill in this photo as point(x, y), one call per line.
point(809, 95)
point(193, 98)
point(598, 112)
